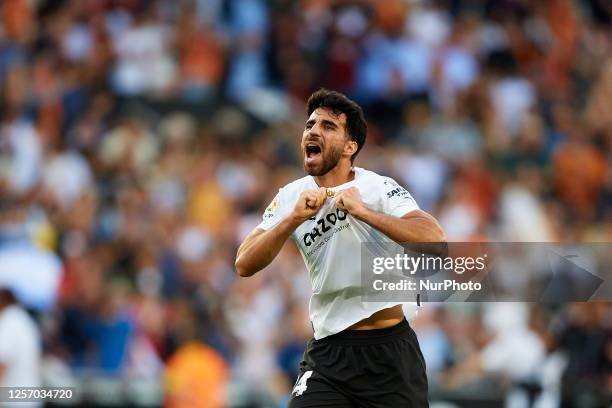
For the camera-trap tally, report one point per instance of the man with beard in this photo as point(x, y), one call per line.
point(363, 353)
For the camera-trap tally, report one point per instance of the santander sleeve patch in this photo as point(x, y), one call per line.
point(397, 200)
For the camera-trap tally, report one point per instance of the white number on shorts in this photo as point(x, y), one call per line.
point(300, 385)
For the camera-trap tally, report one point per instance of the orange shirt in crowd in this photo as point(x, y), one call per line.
point(196, 377)
point(16, 18)
point(579, 174)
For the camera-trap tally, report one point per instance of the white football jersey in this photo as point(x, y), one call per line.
point(330, 244)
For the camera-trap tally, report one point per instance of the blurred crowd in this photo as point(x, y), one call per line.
point(141, 140)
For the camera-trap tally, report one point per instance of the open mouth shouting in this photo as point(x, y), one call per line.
point(312, 152)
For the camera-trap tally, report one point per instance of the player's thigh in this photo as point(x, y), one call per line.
point(311, 391)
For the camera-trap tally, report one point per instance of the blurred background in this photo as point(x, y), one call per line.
point(140, 141)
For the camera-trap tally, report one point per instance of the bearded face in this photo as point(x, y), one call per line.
point(318, 160)
point(323, 141)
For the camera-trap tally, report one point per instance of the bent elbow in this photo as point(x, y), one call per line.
point(241, 269)
point(441, 235)
point(439, 244)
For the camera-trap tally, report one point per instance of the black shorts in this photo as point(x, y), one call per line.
point(363, 368)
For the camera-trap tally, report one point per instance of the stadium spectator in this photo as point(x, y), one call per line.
point(20, 347)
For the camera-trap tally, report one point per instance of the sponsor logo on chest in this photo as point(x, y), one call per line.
point(323, 226)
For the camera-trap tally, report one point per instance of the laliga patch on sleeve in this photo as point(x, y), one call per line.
point(271, 210)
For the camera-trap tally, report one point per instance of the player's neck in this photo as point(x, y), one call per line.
point(342, 173)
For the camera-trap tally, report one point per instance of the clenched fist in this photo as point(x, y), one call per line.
point(349, 201)
point(309, 203)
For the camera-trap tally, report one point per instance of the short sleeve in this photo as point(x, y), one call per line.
point(397, 201)
point(274, 213)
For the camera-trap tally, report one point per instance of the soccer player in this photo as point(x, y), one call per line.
point(363, 353)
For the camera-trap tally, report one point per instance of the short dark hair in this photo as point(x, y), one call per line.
point(338, 103)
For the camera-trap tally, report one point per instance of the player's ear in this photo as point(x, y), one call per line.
point(350, 147)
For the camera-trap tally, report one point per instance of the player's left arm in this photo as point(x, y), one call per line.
point(414, 226)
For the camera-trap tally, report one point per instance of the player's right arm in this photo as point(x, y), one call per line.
point(261, 246)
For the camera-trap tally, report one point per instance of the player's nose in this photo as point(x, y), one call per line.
point(315, 130)
point(312, 134)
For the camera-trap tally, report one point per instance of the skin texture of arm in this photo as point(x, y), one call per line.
point(260, 247)
point(416, 226)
